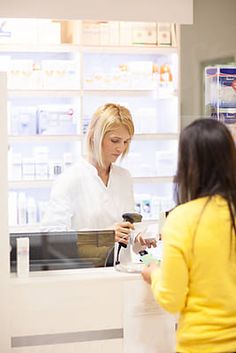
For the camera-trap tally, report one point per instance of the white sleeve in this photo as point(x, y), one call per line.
point(59, 211)
point(129, 193)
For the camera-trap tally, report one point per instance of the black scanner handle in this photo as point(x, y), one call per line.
point(131, 217)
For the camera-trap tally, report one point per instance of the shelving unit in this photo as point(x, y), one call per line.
point(129, 74)
point(41, 184)
point(220, 95)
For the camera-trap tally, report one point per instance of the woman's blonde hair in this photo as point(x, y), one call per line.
point(106, 118)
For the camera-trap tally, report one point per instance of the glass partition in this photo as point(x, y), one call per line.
point(65, 250)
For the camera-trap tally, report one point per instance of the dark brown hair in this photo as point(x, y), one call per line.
point(207, 164)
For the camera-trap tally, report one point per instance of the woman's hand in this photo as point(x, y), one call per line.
point(145, 242)
point(147, 272)
point(122, 232)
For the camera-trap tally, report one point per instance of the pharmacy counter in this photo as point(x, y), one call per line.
point(87, 310)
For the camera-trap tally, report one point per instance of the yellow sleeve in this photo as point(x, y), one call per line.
point(170, 284)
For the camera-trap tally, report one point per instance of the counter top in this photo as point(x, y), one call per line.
point(75, 274)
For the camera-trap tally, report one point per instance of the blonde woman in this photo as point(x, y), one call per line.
point(94, 192)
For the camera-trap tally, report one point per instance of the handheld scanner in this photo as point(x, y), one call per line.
point(132, 218)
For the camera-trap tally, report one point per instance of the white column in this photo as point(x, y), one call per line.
point(4, 237)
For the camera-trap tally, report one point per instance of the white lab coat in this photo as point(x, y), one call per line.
point(79, 199)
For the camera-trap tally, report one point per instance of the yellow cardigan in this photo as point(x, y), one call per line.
point(198, 276)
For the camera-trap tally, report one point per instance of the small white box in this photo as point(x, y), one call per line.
point(91, 33)
point(22, 245)
point(163, 34)
point(126, 33)
point(28, 168)
point(144, 33)
point(48, 32)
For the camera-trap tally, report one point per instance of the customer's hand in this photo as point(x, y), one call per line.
point(122, 232)
point(147, 272)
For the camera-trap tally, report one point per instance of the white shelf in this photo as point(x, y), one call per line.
point(153, 180)
point(134, 49)
point(30, 184)
point(156, 136)
point(93, 49)
point(41, 184)
point(45, 138)
point(39, 48)
point(26, 228)
point(44, 93)
point(129, 92)
point(79, 92)
point(79, 137)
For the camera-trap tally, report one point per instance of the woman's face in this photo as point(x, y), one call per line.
point(115, 142)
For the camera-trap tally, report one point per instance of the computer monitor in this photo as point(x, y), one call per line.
point(66, 249)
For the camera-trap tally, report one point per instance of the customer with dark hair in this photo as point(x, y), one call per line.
point(197, 276)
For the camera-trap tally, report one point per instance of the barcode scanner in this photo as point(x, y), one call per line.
point(131, 217)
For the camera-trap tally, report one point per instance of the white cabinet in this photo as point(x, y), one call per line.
point(57, 79)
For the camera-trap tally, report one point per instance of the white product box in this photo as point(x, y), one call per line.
point(6, 31)
point(164, 34)
point(22, 246)
point(48, 32)
point(18, 31)
point(28, 168)
point(12, 208)
point(21, 207)
point(126, 33)
point(20, 74)
point(31, 211)
point(60, 74)
point(16, 167)
point(67, 160)
point(91, 33)
point(42, 205)
point(41, 168)
point(55, 168)
point(140, 67)
point(41, 162)
point(144, 33)
point(23, 120)
point(114, 32)
point(105, 33)
point(58, 119)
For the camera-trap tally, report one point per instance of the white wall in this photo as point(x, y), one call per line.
point(212, 36)
point(179, 11)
